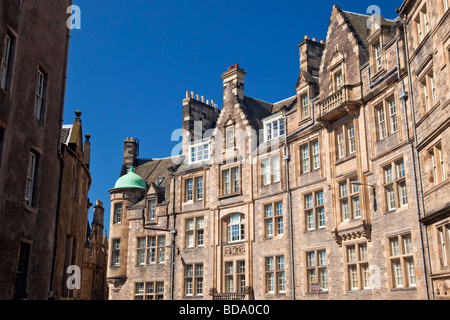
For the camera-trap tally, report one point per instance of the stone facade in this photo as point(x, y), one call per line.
point(33, 64)
point(73, 207)
point(429, 56)
point(324, 195)
point(95, 258)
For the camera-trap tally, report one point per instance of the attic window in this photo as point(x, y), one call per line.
point(274, 128)
point(200, 152)
point(378, 56)
point(159, 181)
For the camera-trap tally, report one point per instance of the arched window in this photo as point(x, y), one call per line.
point(235, 228)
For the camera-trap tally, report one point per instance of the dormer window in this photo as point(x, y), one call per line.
point(229, 133)
point(378, 57)
point(274, 128)
point(305, 106)
point(151, 209)
point(200, 152)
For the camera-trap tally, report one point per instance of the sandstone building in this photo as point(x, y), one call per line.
point(95, 258)
point(73, 206)
point(336, 192)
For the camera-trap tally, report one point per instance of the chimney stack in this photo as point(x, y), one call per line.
point(310, 52)
point(233, 84)
point(130, 152)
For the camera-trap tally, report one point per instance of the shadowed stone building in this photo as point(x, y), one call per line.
point(337, 189)
point(95, 257)
point(33, 70)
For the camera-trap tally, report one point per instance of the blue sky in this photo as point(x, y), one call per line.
point(132, 62)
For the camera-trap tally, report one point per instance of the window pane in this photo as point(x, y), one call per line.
point(341, 143)
point(308, 201)
point(407, 242)
point(309, 220)
point(311, 259)
point(226, 182)
point(390, 195)
point(305, 159)
point(356, 207)
point(345, 210)
point(269, 264)
point(403, 194)
point(351, 254)
point(235, 180)
point(321, 215)
point(353, 275)
point(322, 258)
point(265, 171)
point(343, 189)
point(397, 270)
point(395, 247)
point(323, 278)
point(269, 211)
point(351, 138)
point(381, 123)
point(363, 252)
point(411, 272)
point(388, 174)
point(316, 155)
point(276, 168)
point(400, 169)
point(319, 198)
point(393, 115)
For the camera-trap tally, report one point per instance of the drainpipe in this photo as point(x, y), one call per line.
point(286, 159)
point(414, 154)
point(174, 233)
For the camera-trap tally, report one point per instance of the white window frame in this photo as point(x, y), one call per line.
point(30, 190)
point(275, 277)
point(193, 279)
point(270, 170)
point(199, 151)
point(6, 61)
point(39, 103)
point(401, 258)
point(118, 213)
point(151, 206)
point(240, 223)
point(274, 127)
point(194, 232)
point(394, 184)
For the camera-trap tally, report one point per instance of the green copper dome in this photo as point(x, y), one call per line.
point(130, 180)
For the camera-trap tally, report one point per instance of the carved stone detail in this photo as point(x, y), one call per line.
point(234, 250)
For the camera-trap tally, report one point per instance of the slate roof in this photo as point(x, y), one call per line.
point(256, 110)
point(151, 170)
point(358, 25)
